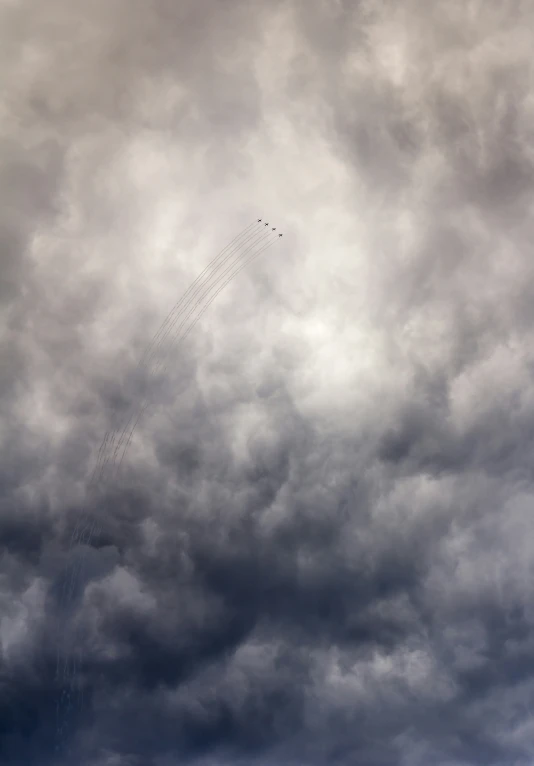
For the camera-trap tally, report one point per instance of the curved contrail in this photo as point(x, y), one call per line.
point(102, 461)
point(110, 438)
point(182, 337)
point(172, 324)
point(162, 332)
point(116, 445)
point(67, 666)
point(192, 285)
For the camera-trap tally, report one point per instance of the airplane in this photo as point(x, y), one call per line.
point(266, 224)
point(280, 235)
point(274, 228)
point(259, 219)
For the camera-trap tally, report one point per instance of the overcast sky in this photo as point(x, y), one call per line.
point(321, 546)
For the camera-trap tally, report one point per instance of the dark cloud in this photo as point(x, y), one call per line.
point(319, 548)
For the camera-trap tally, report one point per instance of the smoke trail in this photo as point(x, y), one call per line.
point(184, 336)
point(108, 464)
point(172, 324)
point(156, 342)
point(210, 265)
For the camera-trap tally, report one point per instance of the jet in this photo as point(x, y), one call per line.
point(280, 235)
point(259, 219)
point(274, 228)
point(266, 224)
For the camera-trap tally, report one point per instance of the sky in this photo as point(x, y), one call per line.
point(320, 546)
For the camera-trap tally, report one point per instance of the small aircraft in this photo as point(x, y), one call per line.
point(259, 219)
point(280, 235)
point(266, 224)
point(274, 228)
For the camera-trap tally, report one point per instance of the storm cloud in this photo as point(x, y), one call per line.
point(321, 546)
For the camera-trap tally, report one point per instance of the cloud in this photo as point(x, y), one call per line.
point(319, 547)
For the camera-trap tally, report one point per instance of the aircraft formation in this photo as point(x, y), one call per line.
point(274, 227)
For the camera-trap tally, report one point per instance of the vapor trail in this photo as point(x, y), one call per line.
point(258, 239)
point(67, 666)
point(192, 286)
point(145, 405)
point(114, 449)
point(233, 247)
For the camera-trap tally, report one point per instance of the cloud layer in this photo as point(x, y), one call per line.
point(320, 550)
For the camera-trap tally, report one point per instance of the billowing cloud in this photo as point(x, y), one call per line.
point(319, 549)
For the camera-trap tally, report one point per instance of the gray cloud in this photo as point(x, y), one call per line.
point(319, 550)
